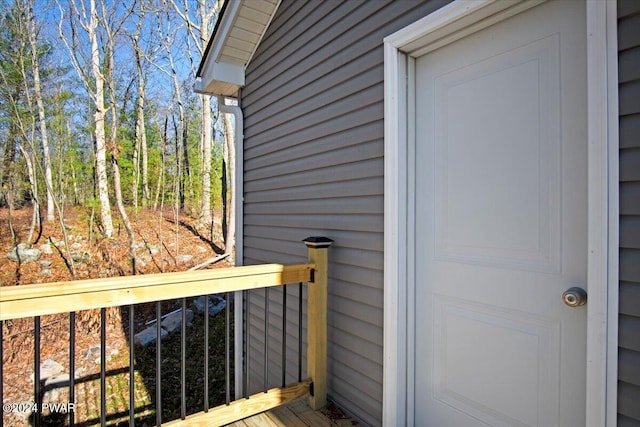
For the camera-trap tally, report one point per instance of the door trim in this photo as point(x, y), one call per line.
point(454, 21)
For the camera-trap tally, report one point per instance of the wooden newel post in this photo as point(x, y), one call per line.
point(317, 321)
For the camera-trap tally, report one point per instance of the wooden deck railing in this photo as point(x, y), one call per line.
point(70, 297)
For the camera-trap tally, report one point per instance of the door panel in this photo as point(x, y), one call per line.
point(523, 361)
point(514, 159)
point(501, 227)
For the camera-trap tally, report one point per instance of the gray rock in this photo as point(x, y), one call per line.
point(173, 321)
point(148, 336)
point(81, 256)
point(216, 304)
point(184, 258)
point(49, 368)
point(45, 263)
point(24, 253)
point(93, 353)
point(81, 372)
point(46, 248)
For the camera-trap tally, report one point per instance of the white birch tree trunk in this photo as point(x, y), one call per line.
point(48, 177)
point(99, 119)
point(207, 134)
point(207, 139)
point(113, 142)
point(141, 134)
point(35, 215)
point(141, 139)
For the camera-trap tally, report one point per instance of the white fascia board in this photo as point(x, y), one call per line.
point(220, 74)
point(224, 29)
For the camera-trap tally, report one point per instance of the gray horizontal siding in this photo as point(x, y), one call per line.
point(629, 130)
point(337, 174)
point(629, 65)
point(313, 165)
point(629, 110)
point(629, 396)
point(353, 130)
point(629, 196)
point(630, 299)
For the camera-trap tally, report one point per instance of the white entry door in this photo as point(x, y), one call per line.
point(501, 224)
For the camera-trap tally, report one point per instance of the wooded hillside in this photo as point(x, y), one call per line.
point(99, 121)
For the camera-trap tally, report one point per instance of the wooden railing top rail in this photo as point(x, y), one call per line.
point(63, 297)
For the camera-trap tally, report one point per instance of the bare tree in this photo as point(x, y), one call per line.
point(24, 123)
point(181, 130)
point(199, 31)
point(46, 156)
point(140, 162)
point(169, 65)
point(94, 82)
point(35, 213)
point(160, 183)
point(15, 84)
point(112, 29)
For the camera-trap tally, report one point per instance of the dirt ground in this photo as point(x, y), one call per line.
point(163, 244)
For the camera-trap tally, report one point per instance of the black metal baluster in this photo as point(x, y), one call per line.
point(266, 338)
point(36, 373)
point(183, 354)
point(206, 353)
point(103, 363)
point(132, 368)
point(284, 335)
point(247, 335)
point(158, 363)
point(227, 365)
point(300, 332)
point(72, 366)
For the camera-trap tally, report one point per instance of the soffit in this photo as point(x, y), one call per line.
point(236, 37)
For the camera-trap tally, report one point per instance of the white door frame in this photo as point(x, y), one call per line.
point(460, 18)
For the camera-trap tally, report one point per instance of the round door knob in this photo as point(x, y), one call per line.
point(575, 297)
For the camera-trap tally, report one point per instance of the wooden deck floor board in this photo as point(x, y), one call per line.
point(287, 417)
point(293, 414)
point(313, 418)
point(262, 420)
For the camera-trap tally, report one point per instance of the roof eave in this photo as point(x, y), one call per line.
point(220, 74)
point(222, 78)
